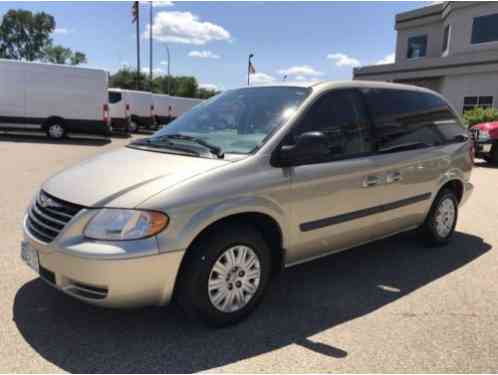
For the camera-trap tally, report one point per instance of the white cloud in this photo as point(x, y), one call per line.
point(261, 78)
point(62, 30)
point(208, 86)
point(185, 28)
point(163, 62)
point(203, 55)
point(162, 3)
point(342, 59)
point(389, 59)
point(155, 71)
point(301, 71)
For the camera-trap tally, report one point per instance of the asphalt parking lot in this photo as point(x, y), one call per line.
point(391, 306)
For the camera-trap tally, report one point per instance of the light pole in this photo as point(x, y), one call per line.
point(169, 65)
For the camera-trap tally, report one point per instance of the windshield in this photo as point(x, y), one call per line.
point(238, 121)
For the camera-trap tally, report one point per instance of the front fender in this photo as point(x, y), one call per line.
point(181, 237)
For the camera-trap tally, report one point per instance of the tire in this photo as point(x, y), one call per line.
point(55, 130)
point(206, 277)
point(132, 127)
point(440, 223)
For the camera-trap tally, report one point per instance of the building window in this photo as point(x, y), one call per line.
point(485, 29)
point(469, 102)
point(446, 38)
point(417, 46)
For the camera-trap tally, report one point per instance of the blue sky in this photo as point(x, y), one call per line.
point(212, 40)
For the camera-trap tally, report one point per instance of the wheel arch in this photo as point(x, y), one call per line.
point(268, 226)
point(53, 120)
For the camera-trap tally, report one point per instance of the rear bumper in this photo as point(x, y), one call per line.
point(120, 124)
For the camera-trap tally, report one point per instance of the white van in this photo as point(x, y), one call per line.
point(135, 106)
point(119, 109)
point(167, 108)
point(57, 99)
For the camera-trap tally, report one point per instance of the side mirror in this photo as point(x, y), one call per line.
point(310, 147)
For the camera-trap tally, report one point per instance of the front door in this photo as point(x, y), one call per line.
point(336, 203)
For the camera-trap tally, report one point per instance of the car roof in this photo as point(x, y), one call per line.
point(327, 85)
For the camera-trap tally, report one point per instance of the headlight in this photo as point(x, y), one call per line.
point(118, 224)
point(483, 135)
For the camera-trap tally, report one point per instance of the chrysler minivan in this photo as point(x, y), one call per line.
point(211, 207)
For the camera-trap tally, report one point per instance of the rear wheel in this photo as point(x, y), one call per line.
point(133, 127)
point(225, 275)
point(440, 223)
point(56, 130)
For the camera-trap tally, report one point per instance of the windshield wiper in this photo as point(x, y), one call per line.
point(212, 148)
point(148, 142)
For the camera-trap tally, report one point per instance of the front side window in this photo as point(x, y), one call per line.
point(417, 46)
point(470, 102)
point(485, 29)
point(237, 121)
point(341, 117)
point(407, 120)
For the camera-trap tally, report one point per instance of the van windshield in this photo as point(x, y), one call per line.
point(238, 121)
point(114, 97)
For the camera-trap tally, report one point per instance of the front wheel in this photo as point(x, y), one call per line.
point(440, 223)
point(225, 275)
point(56, 131)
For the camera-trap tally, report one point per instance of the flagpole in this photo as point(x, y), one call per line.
point(249, 69)
point(138, 44)
point(150, 52)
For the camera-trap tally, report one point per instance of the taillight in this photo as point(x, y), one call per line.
point(105, 114)
point(152, 110)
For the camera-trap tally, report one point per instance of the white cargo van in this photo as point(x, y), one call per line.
point(138, 108)
point(57, 99)
point(119, 109)
point(167, 108)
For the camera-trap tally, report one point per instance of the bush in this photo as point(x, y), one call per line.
point(478, 115)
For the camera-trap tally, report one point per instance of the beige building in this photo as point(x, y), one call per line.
point(449, 47)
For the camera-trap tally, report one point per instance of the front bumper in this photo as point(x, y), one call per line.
point(77, 268)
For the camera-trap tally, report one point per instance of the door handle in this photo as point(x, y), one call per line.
point(370, 181)
point(393, 177)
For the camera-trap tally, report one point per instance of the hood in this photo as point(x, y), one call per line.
point(486, 125)
point(125, 177)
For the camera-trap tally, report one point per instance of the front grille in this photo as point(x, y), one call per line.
point(475, 134)
point(48, 216)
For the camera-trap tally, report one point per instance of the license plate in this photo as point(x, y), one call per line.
point(30, 256)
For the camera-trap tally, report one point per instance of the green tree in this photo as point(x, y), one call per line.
point(24, 35)
point(478, 115)
point(61, 55)
point(185, 86)
point(127, 79)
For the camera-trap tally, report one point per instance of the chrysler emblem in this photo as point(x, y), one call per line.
point(47, 202)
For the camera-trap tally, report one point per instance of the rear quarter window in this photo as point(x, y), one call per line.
point(403, 118)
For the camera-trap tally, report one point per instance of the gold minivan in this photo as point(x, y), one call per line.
point(245, 184)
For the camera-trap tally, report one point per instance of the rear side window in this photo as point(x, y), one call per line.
point(340, 115)
point(405, 120)
point(114, 97)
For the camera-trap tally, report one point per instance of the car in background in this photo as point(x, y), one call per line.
point(119, 110)
point(485, 136)
point(56, 99)
point(167, 108)
point(131, 109)
point(256, 179)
